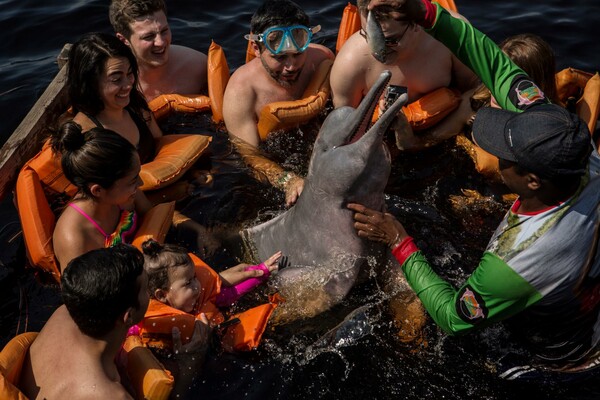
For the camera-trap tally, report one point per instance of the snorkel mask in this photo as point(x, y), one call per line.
point(285, 39)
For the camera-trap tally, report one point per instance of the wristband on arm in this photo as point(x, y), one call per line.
point(405, 249)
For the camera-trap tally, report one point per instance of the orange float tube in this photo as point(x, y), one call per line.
point(349, 24)
point(165, 104)
point(175, 155)
point(570, 82)
point(287, 114)
point(217, 78)
point(149, 378)
point(12, 357)
point(429, 109)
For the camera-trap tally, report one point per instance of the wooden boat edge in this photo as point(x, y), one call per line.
point(28, 137)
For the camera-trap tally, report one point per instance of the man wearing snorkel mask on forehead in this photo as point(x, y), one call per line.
point(284, 65)
point(417, 62)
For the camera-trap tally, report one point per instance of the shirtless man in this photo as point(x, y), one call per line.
point(416, 61)
point(142, 25)
point(284, 65)
point(105, 293)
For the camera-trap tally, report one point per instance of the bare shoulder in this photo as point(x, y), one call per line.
point(185, 54)
point(355, 52)
point(241, 79)
point(353, 59)
point(318, 53)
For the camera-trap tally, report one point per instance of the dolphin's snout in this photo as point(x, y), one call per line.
point(376, 38)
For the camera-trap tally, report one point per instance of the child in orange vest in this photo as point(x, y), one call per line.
point(182, 286)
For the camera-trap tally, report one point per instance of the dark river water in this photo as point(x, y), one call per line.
point(295, 361)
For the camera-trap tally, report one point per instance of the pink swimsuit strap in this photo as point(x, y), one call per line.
point(80, 211)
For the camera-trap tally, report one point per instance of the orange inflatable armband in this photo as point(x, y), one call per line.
point(431, 108)
point(349, 24)
point(12, 357)
point(175, 154)
point(155, 224)
point(39, 179)
point(165, 104)
point(246, 335)
point(218, 76)
point(570, 82)
point(147, 375)
point(287, 114)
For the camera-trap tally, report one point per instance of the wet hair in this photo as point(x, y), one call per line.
point(98, 156)
point(534, 56)
point(99, 286)
point(122, 13)
point(159, 260)
point(277, 13)
point(87, 60)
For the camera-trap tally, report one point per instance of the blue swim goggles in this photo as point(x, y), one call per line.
point(283, 39)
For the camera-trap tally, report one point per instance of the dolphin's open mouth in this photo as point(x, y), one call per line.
point(365, 113)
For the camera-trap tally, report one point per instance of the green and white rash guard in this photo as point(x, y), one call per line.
point(541, 266)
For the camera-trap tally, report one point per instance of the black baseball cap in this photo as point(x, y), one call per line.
point(545, 139)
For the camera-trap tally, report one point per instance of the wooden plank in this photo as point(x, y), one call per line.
point(27, 139)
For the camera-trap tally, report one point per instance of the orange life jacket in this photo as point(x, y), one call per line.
point(156, 328)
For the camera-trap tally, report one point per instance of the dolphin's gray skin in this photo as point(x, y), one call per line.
point(316, 235)
point(376, 38)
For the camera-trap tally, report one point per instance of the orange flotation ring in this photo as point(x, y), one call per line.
point(156, 328)
point(287, 114)
point(217, 78)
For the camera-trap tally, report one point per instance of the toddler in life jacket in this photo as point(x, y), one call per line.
point(186, 295)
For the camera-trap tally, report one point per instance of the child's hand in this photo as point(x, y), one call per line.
point(199, 341)
point(272, 263)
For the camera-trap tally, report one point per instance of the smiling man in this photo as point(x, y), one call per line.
point(284, 65)
point(164, 68)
